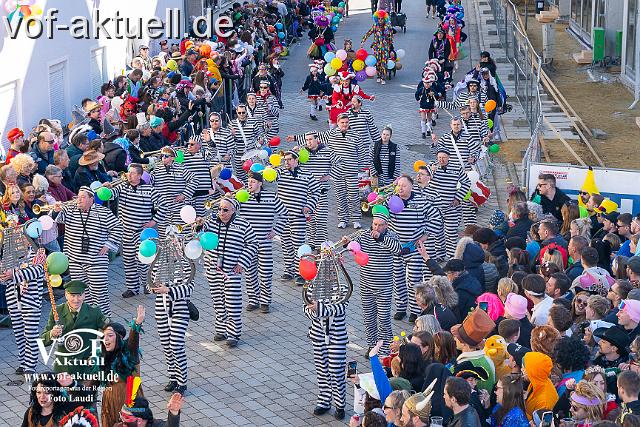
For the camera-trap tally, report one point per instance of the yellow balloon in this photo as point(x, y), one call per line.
point(336, 63)
point(172, 65)
point(36, 10)
point(55, 280)
point(275, 159)
point(269, 174)
point(358, 65)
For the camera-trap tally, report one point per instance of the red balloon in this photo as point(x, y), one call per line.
point(25, 10)
point(361, 54)
point(275, 141)
point(362, 258)
point(247, 165)
point(308, 269)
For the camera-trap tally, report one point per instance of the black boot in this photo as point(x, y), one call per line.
point(339, 415)
point(319, 410)
point(171, 386)
point(182, 389)
point(399, 315)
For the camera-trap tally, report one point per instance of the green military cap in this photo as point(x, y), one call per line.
point(75, 287)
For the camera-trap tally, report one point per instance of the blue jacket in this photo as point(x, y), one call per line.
point(42, 159)
point(514, 418)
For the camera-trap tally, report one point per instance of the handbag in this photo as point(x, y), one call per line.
point(194, 314)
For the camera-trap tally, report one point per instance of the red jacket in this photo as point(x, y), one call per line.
point(61, 193)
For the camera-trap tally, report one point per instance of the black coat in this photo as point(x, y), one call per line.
point(520, 228)
point(467, 418)
point(468, 289)
point(499, 254)
point(115, 158)
point(553, 206)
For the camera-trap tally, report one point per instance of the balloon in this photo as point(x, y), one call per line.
point(95, 185)
point(263, 154)
point(473, 176)
point(358, 65)
point(268, 150)
point(57, 263)
point(467, 196)
point(148, 233)
point(361, 54)
point(372, 196)
point(381, 210)
point(148, 248)
point(336, 63)
point(279, 25)
point(275, 159)
point(334, 28)
point(303, 155)
point(104, 193)
point(395, 203)
point(361, 75)
point(34, 229)
point(418, 164)
point(400, 53)
point(47, 222)
point(362, 258)
point(187, 214)
point(494, 148)
point(370, 61)
point(209, 241)
point(490, 105)
point(179, 156)
point(55, 280)
point(341, 54)
point(256, 167)
point(269, 174)
point(584, 213)
point(390, 65)
point(354, 246)
point(242, 195)
point(146, 259)
point(304, 250)
point(370, 71)
point(225, 174)
point(308, 269)
point(341, 10)
point(329, 70)
point(25, 11)
point(246, 166)
point(193, 249)
point(490, 123)
point(172, 65)
point(398, 66)
point(280, 35)
point(341, 4)
point(329, 56)
point(146, 177)
point(274, 142)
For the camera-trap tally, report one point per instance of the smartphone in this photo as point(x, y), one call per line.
point(352, 368)
point(484, 306)
point(547, 419)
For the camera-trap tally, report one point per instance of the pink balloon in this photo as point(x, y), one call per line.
point(370, 71)
point(372, 197)
point(342, 54)
point(10, 5)
point(362, 258)
point(396, 205)
point(354, 246)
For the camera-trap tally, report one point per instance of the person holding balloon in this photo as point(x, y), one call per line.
point(313, 84)
point(382, 44)
point(91, 231)
point(342, 96)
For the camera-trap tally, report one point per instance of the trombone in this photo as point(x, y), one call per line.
point(122, 177)
point(208, 205)
point(149, 153)
point(350, 237)
point(37, 209)
point(385, 192)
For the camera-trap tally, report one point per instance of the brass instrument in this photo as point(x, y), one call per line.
point(208, 205)
point(122, 177)
point(332, 283)
point(37, 209)
point(149, 153)
point(170, 267)
point(351, 236)
point(383, 192)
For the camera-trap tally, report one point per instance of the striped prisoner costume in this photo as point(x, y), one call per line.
point(363, 124)
point(237, 246)
point(449, 183)
point(170, 182)
point(462, 100)
point(24, 302)
point(297, 190)
point(136, 206)
point(385, 162)
point(270, 113)
point(85, 235)
point(246, 138)
point(220, 142)
point(376, 290)
point(199, 165)
point(328, 334)
point(265, 213)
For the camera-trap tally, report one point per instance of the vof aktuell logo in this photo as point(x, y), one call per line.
point(66, 351)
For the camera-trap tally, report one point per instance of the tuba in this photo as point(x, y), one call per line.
point(332, 283)
point(171, 266)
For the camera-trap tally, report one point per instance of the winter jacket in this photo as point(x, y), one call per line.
point(520, 228)
point(60, 192)
point(514, 418)
point(574, 270)
point(472, 255)
point(491, 277)
point(466, 418)
point(437, 371)
point(445, 316)
point(499, 255)
point(115, 158)
point(74, 154)
point(427, 102)
point(313, 86)
point(85, 176)
point(468, 289)
point(541, 392)
point(628, 408)
point(554, 206)
point(42, 159)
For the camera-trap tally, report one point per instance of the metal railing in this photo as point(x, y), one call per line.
point(526, 72)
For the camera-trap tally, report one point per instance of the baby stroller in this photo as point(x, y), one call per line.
point(399, 20)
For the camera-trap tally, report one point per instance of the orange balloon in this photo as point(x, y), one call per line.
point(418, 164)
point(308, 269)
point(205, 50)
point(490, 105)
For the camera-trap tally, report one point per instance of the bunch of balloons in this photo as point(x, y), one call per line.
point(391, 64)
point(361, 258)
point(27, 9)
point(57, 264)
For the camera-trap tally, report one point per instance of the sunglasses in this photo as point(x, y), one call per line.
point(388, 407)
point(166, 156)
point(214, 121)
point(583, 193)
point(49, 141)
point(242, 113)
point(192, 144)
point(581, 301)
point(224, 209)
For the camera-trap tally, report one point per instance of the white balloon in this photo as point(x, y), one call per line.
point(193, 249)
point(188, 214)
point(47, 222)
point(342, 54)
point(304, 250)
point(474, 176)
point(263, 154)
point(146, 259)
point(400, 53)
point(95, 184)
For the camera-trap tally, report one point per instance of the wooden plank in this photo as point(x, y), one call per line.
point(564, 141)
point(544, 147)
point(553, 87)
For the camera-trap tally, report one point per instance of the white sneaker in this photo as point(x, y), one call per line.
point(378, 80)
point(357, 225)
point(342, 224)
point(383, 82)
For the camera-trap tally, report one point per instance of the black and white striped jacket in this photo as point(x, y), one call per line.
point(380, 251)
point(170, 181)
point(265, 213)
point(344, 151)
point(237, 243)
point(319, 164)
point(220, 145)
point(466, 147)
point(33, 276)
point(200, 167)
point(102, 228)
point(298, 189)
point(252, 132)
point(462, 100)
point(415, 220)
point(362, 122)
point(335, 315)
point(138, 205)
point(447, 184)
point(476, 127)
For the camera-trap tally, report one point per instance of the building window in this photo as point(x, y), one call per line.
point(58, 96)
point(97, 71)
point(8, 113)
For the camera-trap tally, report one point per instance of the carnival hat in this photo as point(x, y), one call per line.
point(90, 157)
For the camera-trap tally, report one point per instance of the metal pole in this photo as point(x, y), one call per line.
point(526, 14)
point(636, 83)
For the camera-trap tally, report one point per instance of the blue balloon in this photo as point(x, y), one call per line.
point(148, 233)
point(281, 35)
point(334, 28)
point(257, 167)
point(268, 150)
point(34, 230)
point(97, 201)
point(370, 61)
point(225, 174)
point(390, 65)
point(329, 56)
point(278, 25)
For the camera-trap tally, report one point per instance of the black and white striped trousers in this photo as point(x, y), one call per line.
point(198, 204)
point(451, 216)
point(317, 232)
point(226, 294)
point(330, 361)
point(376, 308)
point(25, 320)
point(240, 173)
point(172, 319)
point(292, 238)
point(469, 213)
point(407, 274)
point(93, 272)
point(135, 272)
point(258, 278)
point(348, 197)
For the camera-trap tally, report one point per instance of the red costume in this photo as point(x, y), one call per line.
point(342, 96)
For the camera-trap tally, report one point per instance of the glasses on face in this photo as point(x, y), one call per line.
point(583, 193)
point(224, 210)
point(388, 407)
point(214, 120)
point(192, 144)
point(581, 301)
point(166, 156)
point(544, 184)
point(242, 113)
point(49, 141)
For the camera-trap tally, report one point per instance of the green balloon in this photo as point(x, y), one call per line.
point(148, 248)
point(179, 156)
point(303, 155)
point(242, 195)
point(490, 123)
point(381, 210)
point(104, 193)
point(467, 196)
point(494, 148)
point(584, 213)
point(57, 263)
point(209, 241)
